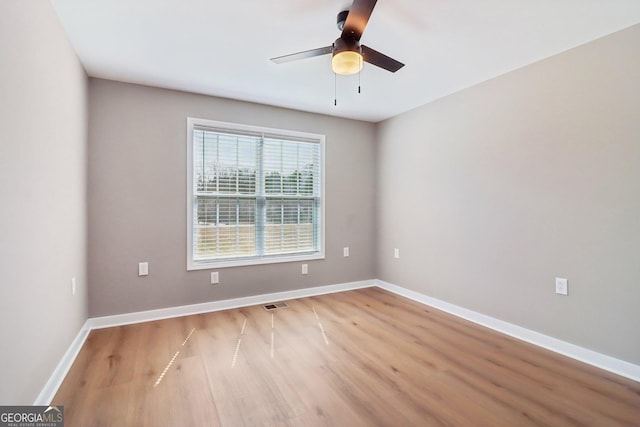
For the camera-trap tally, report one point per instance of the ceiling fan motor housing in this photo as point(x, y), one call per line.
point(344, 45)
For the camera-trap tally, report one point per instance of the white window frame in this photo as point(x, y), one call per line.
point(271, 259)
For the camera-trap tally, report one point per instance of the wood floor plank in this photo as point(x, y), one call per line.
point(357, 358)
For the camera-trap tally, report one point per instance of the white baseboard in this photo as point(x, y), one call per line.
point(60, 372)
point(608, 363)
point(207, 307)
point(591, 357)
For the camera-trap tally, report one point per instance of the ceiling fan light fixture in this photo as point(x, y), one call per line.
point(346, 62)
point(347, 57)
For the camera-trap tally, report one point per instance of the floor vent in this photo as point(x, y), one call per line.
point(275, 306)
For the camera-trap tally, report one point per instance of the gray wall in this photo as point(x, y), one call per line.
point(137, 200)
point(43, 116)
point(494, 191)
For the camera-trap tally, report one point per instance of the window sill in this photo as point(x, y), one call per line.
point(212, 265)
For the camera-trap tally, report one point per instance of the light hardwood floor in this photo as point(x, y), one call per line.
point(357, 358)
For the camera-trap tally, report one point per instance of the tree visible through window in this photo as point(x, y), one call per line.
point(255, 195)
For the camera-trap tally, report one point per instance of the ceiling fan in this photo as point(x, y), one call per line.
point(348, 54)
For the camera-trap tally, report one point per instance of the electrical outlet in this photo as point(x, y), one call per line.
point(215, 278)
point(345, 252)
point(305, 269)
point(143, 269)
point(396, 253)
point(562, 286)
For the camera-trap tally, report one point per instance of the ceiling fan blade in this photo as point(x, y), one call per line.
point(303, 55)
point(380, 60)
point(357, 18)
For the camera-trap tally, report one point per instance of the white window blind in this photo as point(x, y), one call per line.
point(255, 195)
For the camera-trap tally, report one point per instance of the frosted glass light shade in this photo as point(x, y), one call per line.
point(346, 62)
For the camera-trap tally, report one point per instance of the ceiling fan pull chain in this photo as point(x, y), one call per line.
point(335, 90)
point(360, 71)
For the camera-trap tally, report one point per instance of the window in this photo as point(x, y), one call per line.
point(255, 195)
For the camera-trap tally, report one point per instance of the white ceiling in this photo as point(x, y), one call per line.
point(222, 48)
